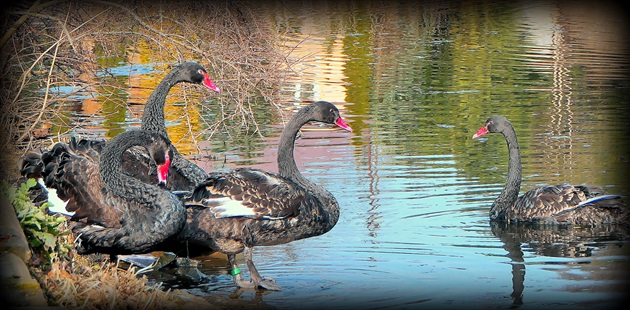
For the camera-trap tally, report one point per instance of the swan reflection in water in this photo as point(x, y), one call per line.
point(579, 244)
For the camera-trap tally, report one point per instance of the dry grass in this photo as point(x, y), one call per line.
point(88, 282)
point(107, 287)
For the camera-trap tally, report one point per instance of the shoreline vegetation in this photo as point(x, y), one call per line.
point(53, 52)
point(73, 281)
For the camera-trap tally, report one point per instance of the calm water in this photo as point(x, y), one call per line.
point(415, 82)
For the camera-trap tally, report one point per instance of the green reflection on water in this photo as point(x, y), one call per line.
point(421, 79)
point(357, 45)
point(114, 108)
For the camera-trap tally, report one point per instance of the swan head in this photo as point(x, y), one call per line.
point(328, 113)
point(193, 72)
point(493, 124)
point(162, 153)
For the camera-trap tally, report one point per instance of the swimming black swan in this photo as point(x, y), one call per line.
point(114, 212)
point(561, 204)
point(234, 211)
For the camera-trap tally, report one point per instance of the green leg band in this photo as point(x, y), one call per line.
point(235, 271)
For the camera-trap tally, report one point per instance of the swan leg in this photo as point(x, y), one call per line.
point(238, 277)
point(267, 283)
point(256, 280)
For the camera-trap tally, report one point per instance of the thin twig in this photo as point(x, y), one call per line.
point(46, 93)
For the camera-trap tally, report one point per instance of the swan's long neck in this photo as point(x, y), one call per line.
point(153, 114)
point(287, 167)
point(508, 196)
point(321, 210)
point(114, 179)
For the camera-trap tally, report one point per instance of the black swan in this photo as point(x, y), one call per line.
point(114, 212)
point(561, 204)
point(184, 174)
point(234, 211)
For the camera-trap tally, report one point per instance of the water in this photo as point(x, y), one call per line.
point(415, 81)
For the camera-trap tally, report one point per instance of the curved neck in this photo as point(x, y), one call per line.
point(508, 196)
point(319, 203)
point(114, 178)
point(287, 167)
point(153, 114)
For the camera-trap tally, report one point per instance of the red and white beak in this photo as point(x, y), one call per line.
point(343, 124)
point(482, 131)
point(207, 82)
point(162, 170)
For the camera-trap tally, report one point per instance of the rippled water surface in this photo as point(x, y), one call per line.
point(415, 82)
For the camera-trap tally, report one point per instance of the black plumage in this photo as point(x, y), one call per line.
point(231, 212)
point(563, 204)
point(114, 212)
point(184, 174)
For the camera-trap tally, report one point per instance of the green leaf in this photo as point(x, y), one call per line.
point(34, 242)
point(32, 223)
point(31, 182)
point(48, 240)
point(39, 216)
point(22, 213)
point(40, 228)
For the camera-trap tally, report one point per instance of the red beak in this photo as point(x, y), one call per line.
point(207, 82)
point(343, 124)
point(482, 131)
point(162, 170)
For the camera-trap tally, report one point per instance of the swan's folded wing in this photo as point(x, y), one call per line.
point(87, 147)
point(250, 193)
point(136, 161)
point(547, 200)
point(31, 165)
point(77, 180)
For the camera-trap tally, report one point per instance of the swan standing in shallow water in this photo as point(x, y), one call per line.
point(231, 212)
point(561, 204)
